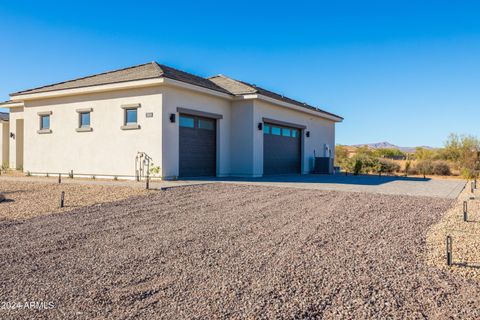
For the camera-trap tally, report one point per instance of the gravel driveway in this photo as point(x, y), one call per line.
point(230, 251)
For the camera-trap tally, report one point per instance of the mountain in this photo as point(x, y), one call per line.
point(388, 145)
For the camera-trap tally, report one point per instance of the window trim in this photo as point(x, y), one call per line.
point(79, 126)
point(131, 126)
point(42, 114)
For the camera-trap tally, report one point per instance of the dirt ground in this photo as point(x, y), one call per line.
point(27, 199)
point(228, 251)
point(465, 237)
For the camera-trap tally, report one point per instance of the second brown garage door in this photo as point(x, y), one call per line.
point(281, 149)
point(198, 146)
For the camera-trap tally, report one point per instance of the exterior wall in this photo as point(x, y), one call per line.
point(4, 143)
point(174, 98)
point(14, 146)
point(322, 132)
point(106, 150)
point(242, 133)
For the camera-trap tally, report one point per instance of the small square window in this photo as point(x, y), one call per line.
point(187, 122)
point(84, 119)
point(44, 122)
point(286, 132)
point(131, 116)
point(276, 131)
point(206, 124)
point(266, 129)
point(294, 133)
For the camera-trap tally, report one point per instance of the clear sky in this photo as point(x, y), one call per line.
point(406, 72)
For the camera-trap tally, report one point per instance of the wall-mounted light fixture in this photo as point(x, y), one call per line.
point(307, 134)
point(260, 126)
point(172, 117)
point(12, 135)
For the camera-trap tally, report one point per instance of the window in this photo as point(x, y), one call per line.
point(276, 131)
point(206, 124)
point(44, 122)
point(266, 129)
point(294, 133)
point(130, 116)
point(84, 119)
point(286, 132)
point(187, 122)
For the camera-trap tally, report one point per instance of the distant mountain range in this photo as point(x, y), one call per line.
point(388, 145)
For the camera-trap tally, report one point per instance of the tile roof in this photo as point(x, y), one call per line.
point(145, 71)
point(152, 70)
point(4, 116)
point(238, 87)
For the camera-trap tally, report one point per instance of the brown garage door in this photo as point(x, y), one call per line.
point(281, 149)
point(198, 146)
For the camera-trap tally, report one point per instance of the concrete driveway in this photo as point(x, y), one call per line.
point(442, 188)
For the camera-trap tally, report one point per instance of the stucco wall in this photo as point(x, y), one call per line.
point(322, 131)
point(16, 115)
point(242, 132)
point(174, 98)
point(4, 143)
point(107, 150)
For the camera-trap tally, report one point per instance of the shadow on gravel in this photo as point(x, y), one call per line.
point(474, 265)
point(367, 180)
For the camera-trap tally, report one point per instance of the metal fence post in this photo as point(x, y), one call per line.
point(147, 183)
point(465, 211)
point(62, 199)
point(449, 250)
point(59, 178)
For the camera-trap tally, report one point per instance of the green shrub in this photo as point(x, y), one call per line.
point(441, 168)
point(358, 167)
point(387, 166)
point(424, 167)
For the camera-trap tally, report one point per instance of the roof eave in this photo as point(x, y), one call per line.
point(316, 112)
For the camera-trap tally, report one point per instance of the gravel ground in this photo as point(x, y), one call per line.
point(27, 199)
point(229, 251)
point(465, 236)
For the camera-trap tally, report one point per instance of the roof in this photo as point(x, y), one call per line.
point(238, 87)
point(145, 71)
point(154, 70)
point(4, 116)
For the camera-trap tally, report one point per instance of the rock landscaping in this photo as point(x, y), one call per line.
point(228, 251)
point(465, 237)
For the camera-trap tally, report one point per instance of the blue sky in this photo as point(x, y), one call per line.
point(406, 72)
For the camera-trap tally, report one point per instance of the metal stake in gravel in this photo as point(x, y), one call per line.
point(465, 211)
point(449, 250)
point(62, 199)
point(59, 178)
point(147, 183)
point(471, 187)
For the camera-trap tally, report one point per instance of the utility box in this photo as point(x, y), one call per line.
point(323, 165)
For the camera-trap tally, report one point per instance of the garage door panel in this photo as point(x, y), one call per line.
point(281, 150)
point(197, 147)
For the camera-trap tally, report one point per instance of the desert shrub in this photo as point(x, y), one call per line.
point(388, 166)
point(424, 167)
point(357, 169)
point(441, 168)
point(408, 167)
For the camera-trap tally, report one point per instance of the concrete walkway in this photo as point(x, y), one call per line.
point(442, 188)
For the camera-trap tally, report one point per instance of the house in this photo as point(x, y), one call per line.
point(108, 124)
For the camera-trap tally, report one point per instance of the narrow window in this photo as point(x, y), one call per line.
point(130, 116)
point(206, 124)
point(266, 129)
point(286, 132)
point(187, 122)
point(44, 122)
point(294, 133)
point(84, 119)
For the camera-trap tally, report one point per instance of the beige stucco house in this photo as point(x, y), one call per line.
point(186, 124)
